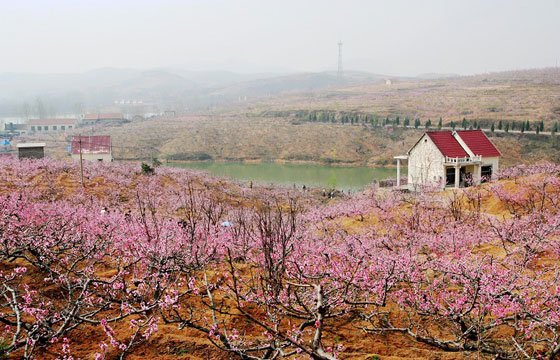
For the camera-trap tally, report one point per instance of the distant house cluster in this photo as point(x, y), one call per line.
point(450, 159)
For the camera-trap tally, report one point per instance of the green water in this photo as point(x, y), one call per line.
point(323, 176)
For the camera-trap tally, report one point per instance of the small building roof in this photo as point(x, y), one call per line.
point(447, 144)
point(102, 116)
point(30, 145)
point(478, 143)
point(47, 122)
point(91, 144)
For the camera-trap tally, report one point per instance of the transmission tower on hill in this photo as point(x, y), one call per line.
point(339, 74)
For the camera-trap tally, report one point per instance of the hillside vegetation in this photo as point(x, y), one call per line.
point(345, 125)
point(532, 95)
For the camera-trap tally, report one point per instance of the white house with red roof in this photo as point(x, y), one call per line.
point(450, 159)
point(92, 148)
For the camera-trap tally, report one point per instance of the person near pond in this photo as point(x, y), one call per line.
point(324, 193)
point(304, 188)
point(250, 184)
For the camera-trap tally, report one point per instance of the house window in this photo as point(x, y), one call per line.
point(62, 127)
point(486, 173)
point(46, 128)
point(69, 126)
point(54, 127)
point(39, 128)
point(450, 176)
point(33, 128)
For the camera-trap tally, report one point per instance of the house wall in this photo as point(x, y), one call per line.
point(93, 157)
point(50, 127)
point(425, 164)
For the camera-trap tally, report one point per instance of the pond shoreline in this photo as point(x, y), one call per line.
point(285, 162)
point(352, 178)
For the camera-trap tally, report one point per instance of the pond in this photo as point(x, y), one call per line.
point(318, 176)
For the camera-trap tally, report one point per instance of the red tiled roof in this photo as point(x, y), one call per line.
point(102, 116)
point(52, 122)
point(478, 143)
point(447, 144)
point(91, 144)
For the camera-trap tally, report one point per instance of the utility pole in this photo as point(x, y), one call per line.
point(339, 74)
point(81, 161)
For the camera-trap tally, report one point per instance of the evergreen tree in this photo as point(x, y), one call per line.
point(513, 125)
point(440, 123)
point(465, 124)
point(406, 122)
point(500, 125)
point(492, 128)
point(416, 123)
point(453, 124)
point(428, 123)
point(527, 125)
point(555, 127)
point(397, 121)
point(522, 127)
point(537, 129)
point(478, 126)
point(541, 126)
point(475, 125)
point(507, 127)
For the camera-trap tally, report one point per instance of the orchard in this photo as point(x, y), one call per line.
point(105, 270)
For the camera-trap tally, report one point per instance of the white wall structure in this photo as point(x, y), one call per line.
point(425, 164)
point(93, 157)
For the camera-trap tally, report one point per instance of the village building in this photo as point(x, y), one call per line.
point(92, 148)
point(450, 159)
point(31, 150)
point(15, 129)
point(91, 119)
point(51, 125)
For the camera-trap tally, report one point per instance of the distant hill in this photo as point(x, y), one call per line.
point(178, 87)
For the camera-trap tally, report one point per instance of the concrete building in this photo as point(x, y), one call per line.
point(92, 148)
point(51, 125)
point(450, 159)
point(15, 129)
point(91, 119)
point(31, 150)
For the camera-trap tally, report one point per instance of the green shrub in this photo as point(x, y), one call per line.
point(147, 169)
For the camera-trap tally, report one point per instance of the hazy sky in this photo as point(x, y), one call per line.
point(388, 37)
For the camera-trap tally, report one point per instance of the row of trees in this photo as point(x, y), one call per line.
point(329, 116)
